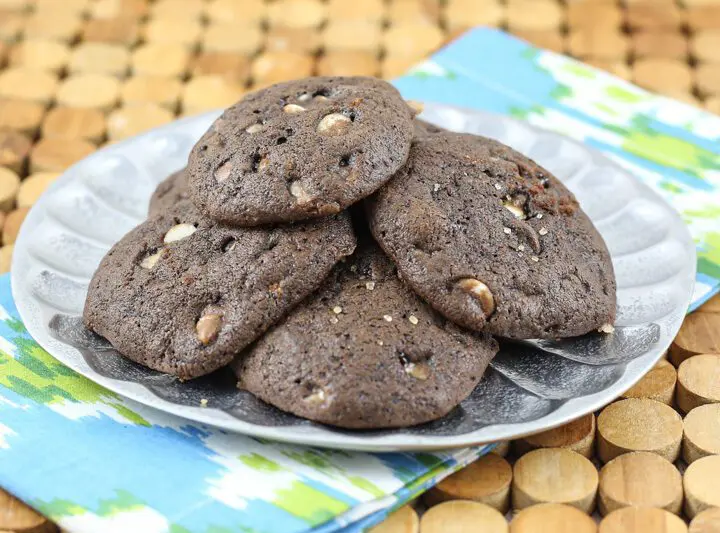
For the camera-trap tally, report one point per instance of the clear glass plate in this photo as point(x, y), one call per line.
point(530, 386)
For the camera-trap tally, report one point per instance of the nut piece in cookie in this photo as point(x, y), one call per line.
point(184, 294)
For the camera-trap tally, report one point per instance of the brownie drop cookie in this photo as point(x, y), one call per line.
point(493, 241)
point(169, 191)
point(183, 294)
point(300, 149)
point(365, 352)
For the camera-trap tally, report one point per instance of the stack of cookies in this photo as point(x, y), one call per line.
point(349, 262)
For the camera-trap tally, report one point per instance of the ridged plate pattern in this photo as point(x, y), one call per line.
point(530, 386)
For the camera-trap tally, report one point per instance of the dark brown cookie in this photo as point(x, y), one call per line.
point(365, 352)
point(424, 129)
point(169, 192)
point(183, 294)
point(300, 149)
point(493, 241)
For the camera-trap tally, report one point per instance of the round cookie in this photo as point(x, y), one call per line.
point(493, 241)
point(425, 129)
point(169, 192)
point(365, 352)
point(183, 294)
point(300, 149)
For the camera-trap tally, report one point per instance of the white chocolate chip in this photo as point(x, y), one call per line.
point(334, 320)
point(370, 285)
point(337, 309)
point(255, 128)
point(535, 258)
point(436, 187)
point(381, 343)
point(521, 248)
point(387, 318)
point(543, 231)
point(223, 171)
point(317, 397)
point(208, 327)
point(321, 98)
point(304, 97)
point(419, 371)
point(203, 402)
point(151, 260)
point(179, 232)
point(263, 163)
point(507, 231)
point(293, 109)
point(299, 192)
point(514, 209)
point(333, 124)
point(539, 215)
point(480, 291)
point(413, 320)
point(606, 328)
point(498, 187)
point(417, 107)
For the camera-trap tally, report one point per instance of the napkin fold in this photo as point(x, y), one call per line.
point(94, 461)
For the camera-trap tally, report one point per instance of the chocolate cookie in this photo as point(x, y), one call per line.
point(493, 241)
point(300, 149)
point(365, 352)
point(169, 191)
point(425, 129)
point(183, 294)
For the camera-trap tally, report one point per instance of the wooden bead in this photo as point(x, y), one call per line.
point(14, 515)
point(21, 115)
point(707, 521)
point(9, 186)
point(642, 520)
point(209, 92)
point(647, 16)
point(367, 10)
point(160, 60)
point(26, 84)
point(348, 63)
point(662, 74)
point(404, 520)
point(534, 15)
point(705, 45)
point(129, 121)
point(230, 38)
point(178, 9)
point(597, 42)
point(79, 7)
point(6, 259)
point(112, 31)
point(111, 9)
point(613, 66)
point(272, 67)
point(14, 5)
point(665, 44)
point(352, 35)
point(699, 333)
point(701, 434)
point(698, 382)
point(247, 12)
point(182, 32)
point(14, 149)
point(461, 516)
point(151, 90)
point(40, 54)
point(703, 17)
point(554, 475)
point(640, 479)
point(502, 448)
point(551, 40)
point(707, 78)
point(578, 436)
point(96, 91)
point(638, 424)
point(11, 24)
point(281, 39)
point(552, 518)
point(700, 482)
point(461, 14)
point(391, 67)
point(296, 13)
point(713, 105)
point(56, 24)
point(33, 186)
point(413, 11)
point(74, 123)
point(234, 67)
point(487, 481)
point(56, 155)
point(100, 58)
point(711, 306)
point(583, 15)
point(658, 384)
point(412, 39)
point(13, 221)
